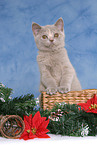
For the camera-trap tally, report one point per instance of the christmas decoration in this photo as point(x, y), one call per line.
point(91, 105)
point(84, 130)
point(11, 126)
point(35, 127)
point(78, 119)
point(69, 120)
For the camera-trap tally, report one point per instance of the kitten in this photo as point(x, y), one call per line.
point(56, 70)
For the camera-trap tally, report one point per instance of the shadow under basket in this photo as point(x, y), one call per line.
point(72, 97)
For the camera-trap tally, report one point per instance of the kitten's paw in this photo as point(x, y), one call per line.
point(63, 89)
point(51, 90)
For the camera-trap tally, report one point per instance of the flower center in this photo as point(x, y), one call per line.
point(33, 130)
point(28, 131)
point(93, 106)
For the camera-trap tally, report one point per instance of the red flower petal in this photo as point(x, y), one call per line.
point(92, 100)
point(92, 111)
point(43, 119)
point(31, 136)
point(87, 106)
point(44, 136)
point(38, 133)
point(43, 125)
point(84, 106)
point(36, 121)
point(24, 135)
point(95, 99)
point(27, 126)
point(28, 119)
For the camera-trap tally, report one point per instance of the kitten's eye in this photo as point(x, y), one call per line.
point(44, 36)
point(56, 35)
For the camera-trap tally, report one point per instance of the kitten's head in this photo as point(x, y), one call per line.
point(49, 37)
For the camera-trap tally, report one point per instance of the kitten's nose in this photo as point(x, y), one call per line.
point(51, 40)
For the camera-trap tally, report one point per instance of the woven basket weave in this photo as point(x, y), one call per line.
point(72, 97)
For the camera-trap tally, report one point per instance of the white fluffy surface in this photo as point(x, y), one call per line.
point(54, 139)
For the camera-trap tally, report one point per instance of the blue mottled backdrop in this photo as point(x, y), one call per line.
point(18, 52)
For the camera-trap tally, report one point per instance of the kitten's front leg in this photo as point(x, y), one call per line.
point(66, 80)
point(49, 82)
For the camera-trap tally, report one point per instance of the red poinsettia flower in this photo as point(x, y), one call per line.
point(35, 127)
point(90, 106)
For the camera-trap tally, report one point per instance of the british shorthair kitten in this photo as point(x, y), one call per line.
point(56, 70)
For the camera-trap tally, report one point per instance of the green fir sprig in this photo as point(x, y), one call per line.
point(70, 120)
point(22, 105)
point(5, 93)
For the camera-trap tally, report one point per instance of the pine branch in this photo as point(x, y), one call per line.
point(72, 121)
point(22, 105)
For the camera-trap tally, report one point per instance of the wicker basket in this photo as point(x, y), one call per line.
point(11, 126)
point(72, 97)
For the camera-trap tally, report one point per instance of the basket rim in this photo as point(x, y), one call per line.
point(84, 90)
point(76, 97)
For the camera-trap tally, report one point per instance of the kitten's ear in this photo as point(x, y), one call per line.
point(35, 28)
point(60, 24)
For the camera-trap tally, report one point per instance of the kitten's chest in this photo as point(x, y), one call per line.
point(54, 63)
point(54, 66)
